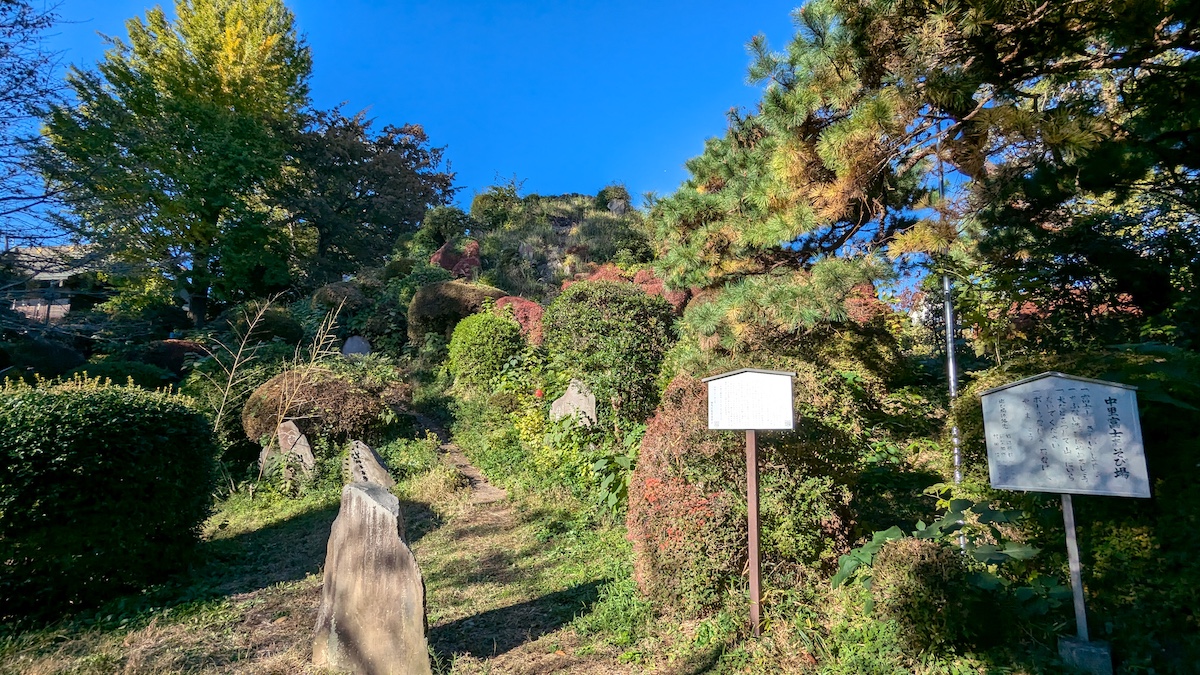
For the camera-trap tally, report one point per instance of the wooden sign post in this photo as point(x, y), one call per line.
point(1068, 435)
point(751, 400)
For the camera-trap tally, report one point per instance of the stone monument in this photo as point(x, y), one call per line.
point(578, 401)
point(364, 465)
point(372, 614)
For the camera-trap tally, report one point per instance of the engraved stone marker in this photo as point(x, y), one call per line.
point(372, 614)
point(364, 465)
point(293, 447)
point(578, 400)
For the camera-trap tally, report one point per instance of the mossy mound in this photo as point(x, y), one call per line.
point(323, 403)
point(437, 308)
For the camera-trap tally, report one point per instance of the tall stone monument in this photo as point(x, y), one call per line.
point(372, 615)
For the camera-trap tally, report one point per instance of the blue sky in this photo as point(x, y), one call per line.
point(567, 96)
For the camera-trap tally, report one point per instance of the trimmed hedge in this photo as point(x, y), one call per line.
point(437, 308)
point(102, 490)
point(143, 374)
point(612, 336)
point(481, 345)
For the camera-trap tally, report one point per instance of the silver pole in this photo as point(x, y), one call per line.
point(1076, 571)
point(952, 372)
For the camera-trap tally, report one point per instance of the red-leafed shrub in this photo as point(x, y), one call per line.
point(644, 279)
point(527, 313)
point(686, 516)
point(469, 263)
point(687, 505)
point(445, 257)
point(863, 304)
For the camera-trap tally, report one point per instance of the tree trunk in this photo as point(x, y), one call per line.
point(198, 294)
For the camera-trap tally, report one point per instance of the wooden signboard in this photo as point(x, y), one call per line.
point(751, 400)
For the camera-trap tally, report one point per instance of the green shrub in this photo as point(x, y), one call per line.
point(143, 374)
point(276, 323)
point(421, 275)
point(436, 309)
point(480, 347)
point(102, 490)
point(924, 586)
point(612, 336)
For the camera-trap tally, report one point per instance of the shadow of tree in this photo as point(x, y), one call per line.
point(501, 630)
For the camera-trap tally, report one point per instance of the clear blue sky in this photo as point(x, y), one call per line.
point(568, 96)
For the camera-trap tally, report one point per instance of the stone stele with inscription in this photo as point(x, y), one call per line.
point(1065, 434)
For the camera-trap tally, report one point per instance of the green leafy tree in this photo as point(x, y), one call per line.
point(164, 155)
point(353, 192)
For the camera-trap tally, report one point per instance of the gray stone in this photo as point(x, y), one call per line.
point(372, 615)
point(292, 446)
point(578, 401)
point(364, 465)
point(356, 345)
point(1093, 658)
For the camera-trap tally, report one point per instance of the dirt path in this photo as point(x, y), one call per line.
point(482, 492)
point(499, 593)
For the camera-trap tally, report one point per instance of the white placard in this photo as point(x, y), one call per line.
point(750, 399)
point(1065, 434)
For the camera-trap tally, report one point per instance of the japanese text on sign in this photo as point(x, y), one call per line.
point(1058, 433)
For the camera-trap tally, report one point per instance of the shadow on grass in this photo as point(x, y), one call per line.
point(287, 551)
point(501, 630)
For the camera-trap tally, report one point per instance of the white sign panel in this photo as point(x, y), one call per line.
point(1060, 433)
point(750, 399)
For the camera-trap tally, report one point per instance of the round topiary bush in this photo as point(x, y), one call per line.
point(143, 374)
point(612, 336)
point(102, 490)
point(323, 403)
point(437, 308)
point(481, 345)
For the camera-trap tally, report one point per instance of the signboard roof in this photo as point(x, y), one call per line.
point(1054, 373)
point(748, 370)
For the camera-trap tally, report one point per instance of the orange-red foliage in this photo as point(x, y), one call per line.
point(688, 539)
point(646, 279)
point(527, 313)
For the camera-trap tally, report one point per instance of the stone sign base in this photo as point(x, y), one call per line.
point(1093, 658)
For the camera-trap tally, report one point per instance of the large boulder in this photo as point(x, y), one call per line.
point(372, 614)
point(437, 308)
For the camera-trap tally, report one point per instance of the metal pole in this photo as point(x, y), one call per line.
point(952, 371)
point(1076, 570)
point(752, 515)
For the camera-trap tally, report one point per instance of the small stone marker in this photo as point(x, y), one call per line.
point(578, 400)
point(356, 345)
point(372, 614)
point(364, 465)
point(293, 445)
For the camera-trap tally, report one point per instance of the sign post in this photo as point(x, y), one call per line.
point(751, 400)
point(1068, 435)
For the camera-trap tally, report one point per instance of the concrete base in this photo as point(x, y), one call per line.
point(1093, 658)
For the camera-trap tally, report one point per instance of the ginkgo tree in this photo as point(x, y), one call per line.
point(163, 156)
